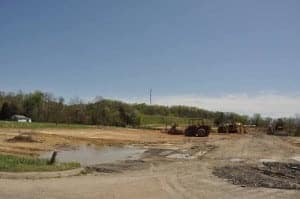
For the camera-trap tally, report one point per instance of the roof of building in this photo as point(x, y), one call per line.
point(20, 117)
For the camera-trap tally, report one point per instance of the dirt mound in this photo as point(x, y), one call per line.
point(270, 175)
point(117, 167)
point(22, 138)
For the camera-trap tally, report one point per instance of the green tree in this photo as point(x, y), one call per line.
point(257, 120)
point(5, 111)
point(219, 118)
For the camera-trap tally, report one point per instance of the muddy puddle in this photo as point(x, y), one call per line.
point(89, 154)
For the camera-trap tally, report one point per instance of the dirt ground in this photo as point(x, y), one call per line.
point(271, 175)
point(50, 139)
point(172, 167)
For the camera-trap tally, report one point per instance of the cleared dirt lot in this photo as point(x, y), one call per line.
point(50, 139)
point(188, 174)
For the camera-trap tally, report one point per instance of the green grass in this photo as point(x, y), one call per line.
point(9, 163)
point(161, 121)
point(39, 125)
point(147, 121)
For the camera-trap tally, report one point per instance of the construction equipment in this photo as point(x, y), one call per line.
point(276, 127)
point(232, 127)
point(196, 129)
point(174, 131)
point(223, 128)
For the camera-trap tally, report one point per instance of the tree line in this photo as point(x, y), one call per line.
point(45, 107)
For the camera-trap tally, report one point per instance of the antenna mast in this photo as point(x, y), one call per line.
point(150, 96)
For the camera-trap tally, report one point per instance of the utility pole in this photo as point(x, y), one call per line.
point(150, 96)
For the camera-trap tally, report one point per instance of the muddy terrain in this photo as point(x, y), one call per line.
point(270, 175)
point(170, 166)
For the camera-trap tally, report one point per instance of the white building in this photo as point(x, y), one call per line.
point(21, 118)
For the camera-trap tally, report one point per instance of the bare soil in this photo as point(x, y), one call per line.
point(51, 139)
point(173, 166)
point(271, 175)
point(22, 138)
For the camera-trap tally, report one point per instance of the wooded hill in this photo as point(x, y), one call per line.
point(44, 107)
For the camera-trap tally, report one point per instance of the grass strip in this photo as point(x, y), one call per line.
point(10, 163)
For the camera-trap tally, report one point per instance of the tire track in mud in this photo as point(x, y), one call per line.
point(202, 185)
point(170, 183)
point(196, 181)
point(172, 193)
point(162, 182)
point(172, 180)
point(175, 187)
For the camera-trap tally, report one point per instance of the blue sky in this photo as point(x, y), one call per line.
point(183, 50)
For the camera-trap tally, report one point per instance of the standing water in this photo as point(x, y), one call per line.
point(89, 155)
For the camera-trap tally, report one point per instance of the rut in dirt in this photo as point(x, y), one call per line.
point(271, 175)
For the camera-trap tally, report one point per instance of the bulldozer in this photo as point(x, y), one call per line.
point(232, 127)
point(197, 129)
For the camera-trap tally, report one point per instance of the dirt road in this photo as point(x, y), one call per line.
point(176, 178)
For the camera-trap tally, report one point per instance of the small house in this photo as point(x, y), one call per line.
point(20, 118)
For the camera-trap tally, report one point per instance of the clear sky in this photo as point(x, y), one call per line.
point(233, 55)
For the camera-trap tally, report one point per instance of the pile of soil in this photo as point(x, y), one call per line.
point(22, 138)
point(270, 175)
